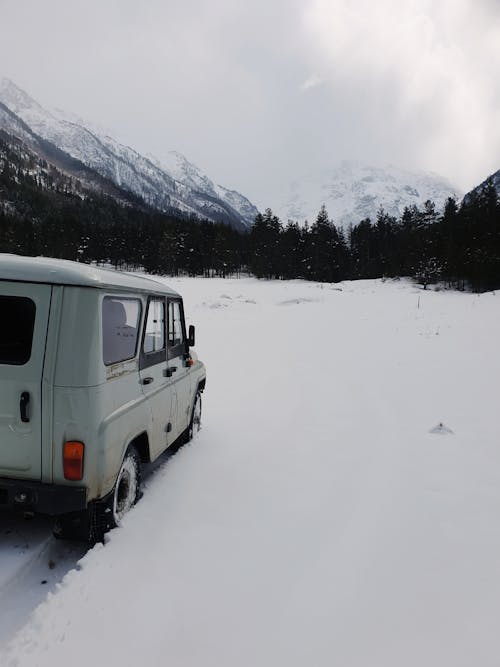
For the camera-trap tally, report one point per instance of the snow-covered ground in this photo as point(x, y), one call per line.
point(316, 519)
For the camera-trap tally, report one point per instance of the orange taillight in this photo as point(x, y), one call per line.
point(73, 460)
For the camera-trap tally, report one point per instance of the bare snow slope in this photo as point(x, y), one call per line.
point(315, 520)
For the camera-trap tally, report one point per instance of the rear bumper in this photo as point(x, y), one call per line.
point(41, 498)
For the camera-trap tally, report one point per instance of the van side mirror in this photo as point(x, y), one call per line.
point(191, 337)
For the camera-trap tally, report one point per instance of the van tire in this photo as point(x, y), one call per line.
point(195, 421)
point(102, 515)
point(127, 489)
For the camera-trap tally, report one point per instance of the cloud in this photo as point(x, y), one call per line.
point(434, 64)
point(259, 93)
point(312, 81)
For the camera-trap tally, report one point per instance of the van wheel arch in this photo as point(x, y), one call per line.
point(141, 445)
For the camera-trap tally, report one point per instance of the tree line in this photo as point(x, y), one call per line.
point(460, 246)
point(43, 212)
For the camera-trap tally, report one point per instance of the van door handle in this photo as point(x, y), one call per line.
point(147, 380)
point(168, 372)
point(24, 405)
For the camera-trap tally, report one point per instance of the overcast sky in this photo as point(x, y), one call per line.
point(259, 92)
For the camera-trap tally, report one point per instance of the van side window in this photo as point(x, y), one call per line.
point(17, 315)
point(154, 337)
point(120, 322)
point(176, 332)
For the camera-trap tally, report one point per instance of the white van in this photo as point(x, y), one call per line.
point(96, 377)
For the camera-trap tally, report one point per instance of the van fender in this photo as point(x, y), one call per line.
point(113, 453)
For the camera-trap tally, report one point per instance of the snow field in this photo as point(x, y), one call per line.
point(315, 519)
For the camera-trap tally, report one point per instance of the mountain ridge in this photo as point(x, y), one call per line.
point(125, 166)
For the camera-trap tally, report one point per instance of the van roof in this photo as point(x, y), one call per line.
point(63, 272)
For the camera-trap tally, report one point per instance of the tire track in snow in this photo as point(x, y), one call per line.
point(32, 563)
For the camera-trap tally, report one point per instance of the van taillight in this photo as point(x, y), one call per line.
point(73, 460)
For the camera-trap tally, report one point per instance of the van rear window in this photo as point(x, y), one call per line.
point(120, 323)
point(17, 317)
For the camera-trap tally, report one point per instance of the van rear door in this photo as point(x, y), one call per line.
point(24, 316)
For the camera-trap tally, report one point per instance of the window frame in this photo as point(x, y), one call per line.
point(32, 304)
point(179, 350)
point(119, 297)
point(147, 359)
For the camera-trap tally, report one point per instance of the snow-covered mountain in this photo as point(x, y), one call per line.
point(189, 174)
point(12, 124)
point(352, 192)
point(187, 190)
point(23, 141)
point(495, 179)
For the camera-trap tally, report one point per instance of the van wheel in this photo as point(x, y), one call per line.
point(103, 515)
point(127, 488)
point(195, 423)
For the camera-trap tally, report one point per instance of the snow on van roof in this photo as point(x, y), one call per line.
point(65, 272)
